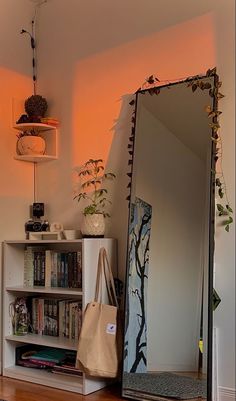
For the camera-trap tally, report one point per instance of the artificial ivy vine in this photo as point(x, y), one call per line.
point(150, 85)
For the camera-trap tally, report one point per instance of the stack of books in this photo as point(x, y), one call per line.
point(50, 121)
point(56, 317)
point(55, 360)
point(51, 268)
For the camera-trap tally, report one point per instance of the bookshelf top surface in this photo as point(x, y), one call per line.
point(47, 241)
point(46, 290)
point(47, 341)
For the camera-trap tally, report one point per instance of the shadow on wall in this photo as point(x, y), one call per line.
point(16, 177)
point(118, 161)
point(91, 98)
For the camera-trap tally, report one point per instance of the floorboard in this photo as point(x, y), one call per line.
point(16, 390)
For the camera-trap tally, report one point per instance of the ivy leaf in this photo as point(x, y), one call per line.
point(229, 209)
point(109, 176)
point(220, 207)
point(220, 95)
point(150, 79)
point(207, 85)
point(227, 228)
point(194, 87)
point(218, 183)
point(215, 126)
point(221, 193)
point(211, 93)
point(151, 91)
point(211, 72)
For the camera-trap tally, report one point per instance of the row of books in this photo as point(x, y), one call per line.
point(55, 360)
point(55, 317)
point(52, 268)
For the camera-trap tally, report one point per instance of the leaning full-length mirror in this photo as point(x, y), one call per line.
point(168, 327)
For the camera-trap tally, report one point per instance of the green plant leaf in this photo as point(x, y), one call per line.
point(218, 183)
point(110, 176)
point(220, 207)
point(221, 193)
point(229, 208)
point(227, 228)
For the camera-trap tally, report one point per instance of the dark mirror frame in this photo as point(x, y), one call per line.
point(153, 87)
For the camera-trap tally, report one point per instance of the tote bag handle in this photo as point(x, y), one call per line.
point(105, 268)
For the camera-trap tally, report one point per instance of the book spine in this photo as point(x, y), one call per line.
point(66, 271)
point(42, 269)
point(74, 267)
point(50, 316)
point(40, 316)
point(35, 322)
point(58, 269)
point(42, 362)
point(67, 318)
point(48, 268)
point(54, 269)
point(61, 319)
point(55, 317)
point(45, 331)
point(70, 268)
point(28, 267)
point(62, 270)
point(79, 276)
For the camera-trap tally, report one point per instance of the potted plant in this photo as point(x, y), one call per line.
point(92, 177)
point(30, 143)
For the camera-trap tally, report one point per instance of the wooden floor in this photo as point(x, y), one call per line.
point(14, 390)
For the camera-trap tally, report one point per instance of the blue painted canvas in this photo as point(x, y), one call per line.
point(135, 354)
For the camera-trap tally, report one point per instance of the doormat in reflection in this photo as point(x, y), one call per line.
point(165, 385)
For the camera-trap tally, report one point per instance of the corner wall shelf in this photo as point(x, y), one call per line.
point(49, 133)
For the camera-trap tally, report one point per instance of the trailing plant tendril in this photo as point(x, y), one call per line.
point(200, 82)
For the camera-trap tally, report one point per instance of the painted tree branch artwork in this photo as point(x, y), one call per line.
point(135, 353)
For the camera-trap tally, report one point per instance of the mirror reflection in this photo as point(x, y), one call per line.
point(167, 322)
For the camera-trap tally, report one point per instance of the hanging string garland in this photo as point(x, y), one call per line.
point(32, 43)
point(35, 105)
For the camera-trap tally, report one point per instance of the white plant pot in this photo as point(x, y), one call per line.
point(93, 225)
point(31, 145)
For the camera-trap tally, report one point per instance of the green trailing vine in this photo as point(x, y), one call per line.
point(152, 86)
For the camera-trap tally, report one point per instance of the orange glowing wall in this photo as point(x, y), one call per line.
point(101, 80)
point(89, 96)
point(16, 184)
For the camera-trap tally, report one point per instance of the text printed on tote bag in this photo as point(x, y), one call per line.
point(111, 328)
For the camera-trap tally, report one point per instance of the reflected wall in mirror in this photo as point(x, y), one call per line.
point(168, 319)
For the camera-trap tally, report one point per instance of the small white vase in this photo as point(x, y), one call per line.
point(93, 225)
point(31, 145)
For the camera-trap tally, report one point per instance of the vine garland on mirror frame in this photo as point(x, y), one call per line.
point(152, 86)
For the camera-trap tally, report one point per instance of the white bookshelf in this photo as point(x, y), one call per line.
point(13, 286)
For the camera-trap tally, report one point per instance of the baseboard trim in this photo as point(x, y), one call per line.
point(227, 394)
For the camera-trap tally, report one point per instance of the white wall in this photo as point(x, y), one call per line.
point(16, 185)
point(16, 189)
point(171, 178)
point(92, 54)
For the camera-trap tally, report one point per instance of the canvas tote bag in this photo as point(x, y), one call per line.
point(97, 353)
